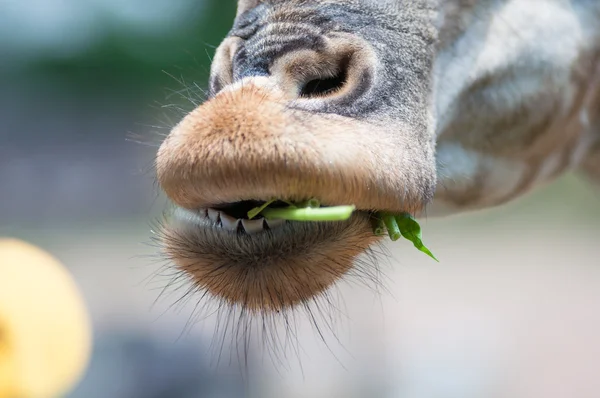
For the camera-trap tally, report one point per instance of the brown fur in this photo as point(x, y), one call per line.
point(225, 264)
point(245, 144)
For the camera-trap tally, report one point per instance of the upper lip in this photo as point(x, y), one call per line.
point(248, 142)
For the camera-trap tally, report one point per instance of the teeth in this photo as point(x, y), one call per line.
point(274, 223)
point(229, 222)
point(253, 226)
point(213, 215)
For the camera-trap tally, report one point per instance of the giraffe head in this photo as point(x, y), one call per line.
point(325, 99)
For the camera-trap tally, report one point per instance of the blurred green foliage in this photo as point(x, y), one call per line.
point(131, 60)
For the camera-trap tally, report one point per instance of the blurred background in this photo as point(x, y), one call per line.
point(88, 90)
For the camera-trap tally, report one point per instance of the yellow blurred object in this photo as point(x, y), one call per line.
point(45, 331)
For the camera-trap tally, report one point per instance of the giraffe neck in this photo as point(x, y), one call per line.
point(517, 93)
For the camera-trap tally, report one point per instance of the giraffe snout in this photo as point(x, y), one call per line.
point(247, 144)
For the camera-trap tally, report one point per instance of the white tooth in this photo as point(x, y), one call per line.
point(229, 222)
point(213, 215)
point(253, 226)
point(274, 223)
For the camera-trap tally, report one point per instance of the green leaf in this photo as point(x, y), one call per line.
point(257, 210)
point(411, 230)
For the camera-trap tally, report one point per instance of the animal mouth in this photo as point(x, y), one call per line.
point(246, 146)
point(236, 217)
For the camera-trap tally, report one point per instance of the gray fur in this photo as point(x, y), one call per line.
point(474, 114)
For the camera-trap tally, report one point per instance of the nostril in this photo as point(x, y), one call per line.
point(325, 86)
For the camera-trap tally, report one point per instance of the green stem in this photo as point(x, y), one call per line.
point(392, 226)
point(336, 213)
point(378, 226)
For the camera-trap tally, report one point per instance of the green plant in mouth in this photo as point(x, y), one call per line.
point(396, 225)
point(405, 225)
